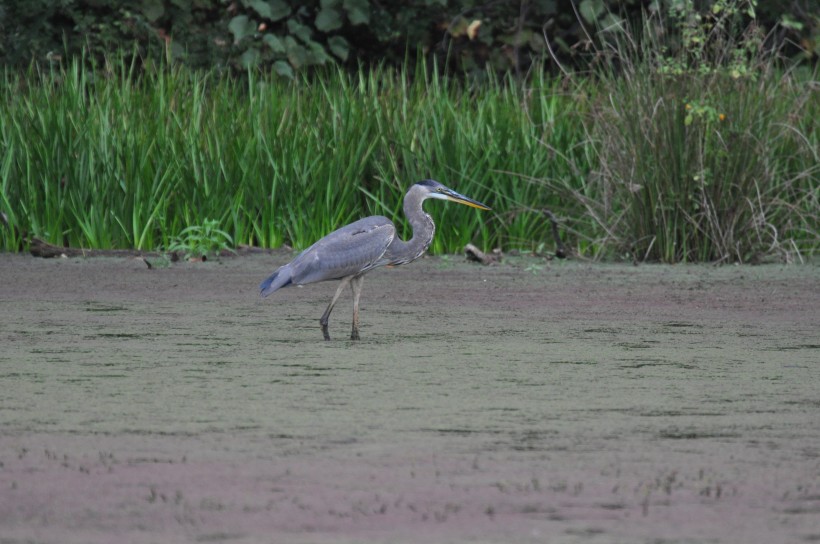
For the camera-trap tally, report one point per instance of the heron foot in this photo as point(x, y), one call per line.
point(355, 335)
point(325, 332)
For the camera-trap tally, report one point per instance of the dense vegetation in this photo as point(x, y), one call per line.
point(466, 36)
point(702, 151)
point(108, 160)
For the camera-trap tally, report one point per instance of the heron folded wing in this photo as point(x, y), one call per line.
point(354, 248)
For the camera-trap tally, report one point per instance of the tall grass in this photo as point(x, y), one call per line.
point(656, 156)
point(707, 153)
point(109, 158)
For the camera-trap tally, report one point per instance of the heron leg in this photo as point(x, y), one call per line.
point(356, 287)
point(326, 315)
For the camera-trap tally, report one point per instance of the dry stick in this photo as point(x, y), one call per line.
point(552, 53)
point(560, 248)
point(41, 248)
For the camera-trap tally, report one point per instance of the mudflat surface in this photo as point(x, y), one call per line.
point(527, 402)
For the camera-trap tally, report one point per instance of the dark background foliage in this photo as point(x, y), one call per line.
point(287, 36)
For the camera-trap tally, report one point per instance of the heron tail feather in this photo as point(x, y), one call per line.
point(278, 279)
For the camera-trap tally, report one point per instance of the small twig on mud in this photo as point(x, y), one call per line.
point(560, 248)
point(475, 254)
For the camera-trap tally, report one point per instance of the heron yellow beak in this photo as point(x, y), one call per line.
point(461, 199)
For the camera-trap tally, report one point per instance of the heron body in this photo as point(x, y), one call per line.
point(350, 252)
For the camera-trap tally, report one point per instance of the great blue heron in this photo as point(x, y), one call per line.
point(353, 250)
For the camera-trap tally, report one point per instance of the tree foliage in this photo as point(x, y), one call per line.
point(286, 36)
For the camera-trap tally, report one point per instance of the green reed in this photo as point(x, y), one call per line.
point(127, 157)
point(108, 158)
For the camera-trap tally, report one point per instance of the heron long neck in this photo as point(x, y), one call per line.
point(402, 252)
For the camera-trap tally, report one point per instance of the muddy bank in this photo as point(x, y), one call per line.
point(527, 402)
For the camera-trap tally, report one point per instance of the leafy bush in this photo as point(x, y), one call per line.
point(466, 37)
point(291, 37)
point(201, 240)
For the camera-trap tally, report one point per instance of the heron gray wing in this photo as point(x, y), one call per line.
point(354, 248)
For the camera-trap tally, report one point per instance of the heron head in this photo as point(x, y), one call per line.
point(434, 189)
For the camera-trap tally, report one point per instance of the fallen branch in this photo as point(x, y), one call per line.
point(560, 248)
point(41, 248)
point(475, 254)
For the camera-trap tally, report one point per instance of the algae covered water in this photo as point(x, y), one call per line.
point(526, 402)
